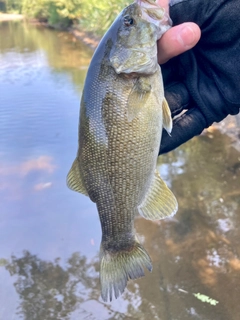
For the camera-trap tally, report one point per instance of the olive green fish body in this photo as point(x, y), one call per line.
point(121, 119)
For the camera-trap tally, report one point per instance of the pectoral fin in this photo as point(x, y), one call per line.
point(159, 202)
point(167, 119)
point(74, 179)
point(138, 97)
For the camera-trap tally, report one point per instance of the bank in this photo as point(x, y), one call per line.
point(10, 16)
point(229, 126)
point(88, 38)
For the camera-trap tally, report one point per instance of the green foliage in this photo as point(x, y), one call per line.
point(97, 16)
point(70, 9)
point(91, 15)
point(56, 12)
point(12, 6)
point(55, 18)
point(36, 9)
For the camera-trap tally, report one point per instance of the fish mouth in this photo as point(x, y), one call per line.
point(153, 13)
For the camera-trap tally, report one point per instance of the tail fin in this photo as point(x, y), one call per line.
point(118, 267)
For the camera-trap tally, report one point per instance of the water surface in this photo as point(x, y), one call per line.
point(50, 236)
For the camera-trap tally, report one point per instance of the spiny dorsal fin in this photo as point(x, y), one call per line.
point(74, 179)
point(167, 119)
point(159, 202)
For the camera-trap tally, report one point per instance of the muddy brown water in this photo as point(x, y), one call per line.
point(50, 236)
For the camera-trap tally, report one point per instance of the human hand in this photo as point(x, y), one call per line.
point(178, 39)
point(206, 79)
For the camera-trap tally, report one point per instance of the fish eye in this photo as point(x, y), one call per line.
point(128, 21)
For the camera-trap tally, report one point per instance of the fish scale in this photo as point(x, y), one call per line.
point(122, 114)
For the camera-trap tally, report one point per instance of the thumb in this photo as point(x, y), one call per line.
point(177, 40)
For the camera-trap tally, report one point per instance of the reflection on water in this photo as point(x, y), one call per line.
point(26, 49)
point(50, 236)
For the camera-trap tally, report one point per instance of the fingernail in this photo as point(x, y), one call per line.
point(187, 36)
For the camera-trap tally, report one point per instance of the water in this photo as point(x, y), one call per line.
point(50, 236)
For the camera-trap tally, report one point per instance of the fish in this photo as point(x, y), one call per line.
point(122, 114)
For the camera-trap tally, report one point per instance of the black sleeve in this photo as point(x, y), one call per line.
point(210, 72)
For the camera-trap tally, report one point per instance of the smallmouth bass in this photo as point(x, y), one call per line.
point(122, 113)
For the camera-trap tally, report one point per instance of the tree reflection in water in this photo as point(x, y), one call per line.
point(47, 290)
point(196, 251)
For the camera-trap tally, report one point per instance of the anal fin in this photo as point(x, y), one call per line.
point(74, 179)
point(159, 202)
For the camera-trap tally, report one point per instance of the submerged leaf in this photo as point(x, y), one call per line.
point(3, 262)
point(205, 298)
